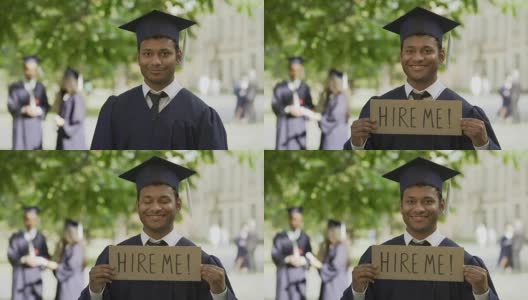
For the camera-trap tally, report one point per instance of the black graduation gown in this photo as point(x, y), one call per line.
point(71, 135)
point(334, 123)
point(291, 281)
point(334, 273)
point(27, 282)
point(427, 142)
point(140, 290)
point(69, 274)
point(419, 290)
point(291, 131)
point(185, 123)
point(27, 131)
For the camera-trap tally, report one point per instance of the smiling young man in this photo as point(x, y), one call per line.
point(421, 204)
point(159, 114)
point(158, 203)
point(421, 54)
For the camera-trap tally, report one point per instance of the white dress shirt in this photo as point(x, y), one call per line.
point(171, 90)
point(434, 90)
point(434, 239)
point(171, 239)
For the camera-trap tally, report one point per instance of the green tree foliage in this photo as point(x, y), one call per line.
point(347, 33)
point(82, 34)
point(345, 185)
point(82, 185)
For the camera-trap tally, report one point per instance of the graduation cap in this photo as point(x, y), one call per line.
point(31, 59)
point(31, 209)
point(157, 170)
point(420, 171)
point(295, 60)
point(295, 209)
point(70, 72)
point(157, 23)
point(334, 72)
point(71, 223)
point(421, 21)
point(333, 223)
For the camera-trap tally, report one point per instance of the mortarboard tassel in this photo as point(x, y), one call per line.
point(184, 47)
point(448, 194)
point(448, 51)
point(188, 194)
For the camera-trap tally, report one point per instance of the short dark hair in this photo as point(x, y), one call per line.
point(438, 41)
point(420, 184)
point(157, 37)
point(176, 194)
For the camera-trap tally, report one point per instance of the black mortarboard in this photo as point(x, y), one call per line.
point(420, 171)
point(295, 209)
point(70, 72)
point(333, 223)
point(31, 209)
point(157, 23)
point(157, 170)
point(71, 223)
point(295, 60)
point(31, 58)
point(334, 72)
point(421, 21)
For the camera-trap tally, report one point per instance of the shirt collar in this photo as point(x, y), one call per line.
point(171, 239)
point(434, 89)
point(171, 90)
point(434, 239)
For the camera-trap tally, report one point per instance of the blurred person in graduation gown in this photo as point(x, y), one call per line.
point(157, 204)
point(71, 114)
point(242, 258)
point(28, 104)
point(421, 54)
point(334, 117)
point(421, 204)
point(70, 262)
point(292, 104)
point(289, 251)
point(506, 249)
point(159, 114)
point(332, 262)
point(28, 254)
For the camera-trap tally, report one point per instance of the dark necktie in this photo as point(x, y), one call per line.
point(161, 243)
point(413, 243)
point(155, 98)
point(420, 96)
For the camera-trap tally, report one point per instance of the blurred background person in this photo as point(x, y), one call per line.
point(251, 95)
point(291, 103)
point(71, 113)
point(28, 254)
point(70, 262)
point(332, 262)
point(241, 241)
point(515, 96)
point(482, 235)
point(252, 244)
point(506, 250)
point(240, 89)
point(517, 244)
point(505, 93)
point(28, 104)
point(335, 111)
point(289, 251)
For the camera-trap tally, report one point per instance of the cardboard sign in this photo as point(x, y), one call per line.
point(156, 263)
point(429, 117)
point(419, 262)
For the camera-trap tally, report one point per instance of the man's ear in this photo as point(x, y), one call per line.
point(442, 55)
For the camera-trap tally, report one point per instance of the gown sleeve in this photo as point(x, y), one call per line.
point(212, 134)
point(102, 138)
